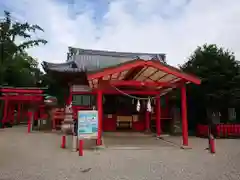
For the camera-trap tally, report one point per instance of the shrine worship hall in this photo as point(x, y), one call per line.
point(127, 89)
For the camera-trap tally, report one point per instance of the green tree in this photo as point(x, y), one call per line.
point(12, 54)
point(55, 87)
point(220, 76)
point(23, 72)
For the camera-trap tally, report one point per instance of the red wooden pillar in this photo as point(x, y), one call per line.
point(35, 116)
point(22, 112)
point(25, 114)
point(5, 111)
point(19, 112)
point(10, 116)
point(54, 119)
point(100, 115)
point(184, 115)
point(158, 116)
point(167, 105)
point(147, 121)
point(12, 113)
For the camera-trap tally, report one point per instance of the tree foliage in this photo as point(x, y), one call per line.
point(17, 68)
point(55, 88)
point(220, 75)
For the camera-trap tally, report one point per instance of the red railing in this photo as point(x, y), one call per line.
point(223, 130)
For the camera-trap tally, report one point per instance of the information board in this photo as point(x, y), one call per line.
point(87, 124)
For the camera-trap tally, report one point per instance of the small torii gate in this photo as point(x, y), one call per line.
point(17, 98)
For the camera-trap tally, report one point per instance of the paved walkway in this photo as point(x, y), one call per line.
point(37, 156)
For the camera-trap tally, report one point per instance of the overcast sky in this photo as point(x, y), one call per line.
point(174, 27)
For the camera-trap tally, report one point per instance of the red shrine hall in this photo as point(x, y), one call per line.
point(127, 89)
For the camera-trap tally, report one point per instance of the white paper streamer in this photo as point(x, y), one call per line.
point(138, 106)
point(149, 107)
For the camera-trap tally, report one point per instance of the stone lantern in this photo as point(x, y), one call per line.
point(68, 122)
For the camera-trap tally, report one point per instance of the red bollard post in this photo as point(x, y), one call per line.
point(63, 145)
point(99, 142)
point(237, 133)
point(212, 145)
point(80, 149)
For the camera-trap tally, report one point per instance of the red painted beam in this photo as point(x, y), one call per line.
point(27, 91)
point(140, 83)
point(137, 92)
point(112, 70)
point(22, 98)
point(114, 91)
point(148, 92)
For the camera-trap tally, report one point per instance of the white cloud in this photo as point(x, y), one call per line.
point(173, 27)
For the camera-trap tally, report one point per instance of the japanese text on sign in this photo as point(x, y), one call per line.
point(88, 124)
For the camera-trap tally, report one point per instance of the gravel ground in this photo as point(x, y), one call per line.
point(37, 156)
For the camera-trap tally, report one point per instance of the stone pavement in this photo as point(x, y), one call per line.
point(37, 156)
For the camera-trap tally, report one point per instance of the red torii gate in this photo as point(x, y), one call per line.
point(19, 97)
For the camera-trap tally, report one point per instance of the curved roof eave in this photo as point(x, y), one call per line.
point(69, 66)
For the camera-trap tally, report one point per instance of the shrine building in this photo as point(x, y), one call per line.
point(127, 89)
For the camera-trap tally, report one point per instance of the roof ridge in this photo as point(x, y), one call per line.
point(111, 53)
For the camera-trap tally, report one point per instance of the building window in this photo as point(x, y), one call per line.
point(83, 100)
